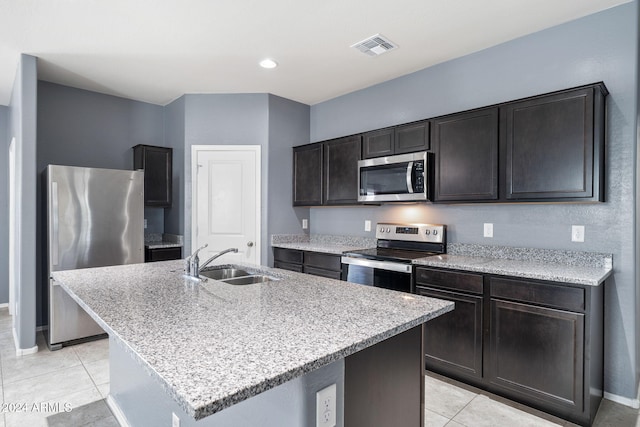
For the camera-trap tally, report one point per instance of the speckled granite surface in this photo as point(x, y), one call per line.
point(211, 345)
point(322, 242)
point(156, 241)
point(582, 268)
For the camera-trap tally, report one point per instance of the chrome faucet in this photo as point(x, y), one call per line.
point(219, 254)
point(192, 262)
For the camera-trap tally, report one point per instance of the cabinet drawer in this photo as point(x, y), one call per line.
point(162, 254)
point(321, 260)
point(288, 266)
point(322, 272)
point(548, 294)
point(467, 282)
point(287, 255)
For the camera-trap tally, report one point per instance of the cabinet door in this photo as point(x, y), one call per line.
point(553, 147)
point(341, 170)
point(307, 175)
point(412, 137)
point(158, 174)
point(453, 341)
point(466, 147)
point(537, 354)
point(378, 143)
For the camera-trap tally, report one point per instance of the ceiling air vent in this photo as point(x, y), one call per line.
point(375, 45)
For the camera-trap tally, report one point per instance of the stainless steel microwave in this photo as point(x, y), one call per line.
point(398, 178)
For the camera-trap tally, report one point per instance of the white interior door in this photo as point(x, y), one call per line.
point(226, 205)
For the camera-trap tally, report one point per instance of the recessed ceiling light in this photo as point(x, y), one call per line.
point(268, 63)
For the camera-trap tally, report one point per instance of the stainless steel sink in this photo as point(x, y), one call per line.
point(249, 280)
point(224, 273)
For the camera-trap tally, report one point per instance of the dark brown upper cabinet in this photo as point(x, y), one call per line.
point(158, 173)
point(466, 165)
point(307, 175)
point(407, 138)
point(378, 143)
point(341, 170)
point(553, 146)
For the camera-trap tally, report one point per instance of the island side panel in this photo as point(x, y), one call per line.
point(384, 384)
point(143, 402)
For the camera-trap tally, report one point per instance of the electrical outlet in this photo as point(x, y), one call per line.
point(577, 233)
point(175, 421)
point(145, 223)
point(305, 224)
point(326, 407)
point(367, 225)
point(488, 229)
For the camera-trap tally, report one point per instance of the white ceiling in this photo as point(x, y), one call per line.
point(157, 50)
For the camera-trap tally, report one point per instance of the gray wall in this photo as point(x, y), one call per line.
point(288, 127)
point(229, 119)
point(174, 137)
point(599, 47)
point(22, 127)
point(82, 128)
point(4, 204)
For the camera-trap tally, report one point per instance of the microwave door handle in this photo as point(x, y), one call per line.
point(409, 177)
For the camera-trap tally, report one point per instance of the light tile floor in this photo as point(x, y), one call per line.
point(78, 376)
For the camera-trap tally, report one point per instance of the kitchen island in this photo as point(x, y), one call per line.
point(224, 355)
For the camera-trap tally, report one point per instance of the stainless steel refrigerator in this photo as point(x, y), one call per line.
point(95, 219)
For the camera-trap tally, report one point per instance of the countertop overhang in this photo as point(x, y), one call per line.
point(212, 345)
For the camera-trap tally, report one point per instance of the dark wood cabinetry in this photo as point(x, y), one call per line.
point(157, 163)
point(341, 170)
point(553, 146)
point(316, 263)
point(407, 138)
point(466, 166)
point(307, 175)
point(162, 254)
point(453, 341)
point(540, 343)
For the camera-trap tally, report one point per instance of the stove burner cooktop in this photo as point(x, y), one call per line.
point(390, 254)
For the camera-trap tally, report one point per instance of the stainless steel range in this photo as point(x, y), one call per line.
point(389, 264)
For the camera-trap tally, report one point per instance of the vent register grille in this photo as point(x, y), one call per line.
point(375, 45)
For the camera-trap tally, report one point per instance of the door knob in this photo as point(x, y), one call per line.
point(250, 244)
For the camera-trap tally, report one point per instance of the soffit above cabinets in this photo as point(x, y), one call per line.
point(156, 51)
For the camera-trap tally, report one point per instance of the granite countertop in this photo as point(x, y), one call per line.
point(162, 244)
point(581, 268)
point(329, 244)
point(212, 345)
point(165, 240)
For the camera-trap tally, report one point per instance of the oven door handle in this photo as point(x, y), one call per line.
point(381, 265)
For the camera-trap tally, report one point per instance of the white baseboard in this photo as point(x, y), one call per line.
point(117, 412)
point(22, 351)
point(4, 304)
point(632, 403)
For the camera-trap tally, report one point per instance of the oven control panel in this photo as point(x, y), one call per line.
point(432, 233)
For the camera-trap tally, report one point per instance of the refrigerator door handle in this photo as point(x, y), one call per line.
point(54, 223)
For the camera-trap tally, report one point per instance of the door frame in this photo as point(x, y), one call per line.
point(257, 149)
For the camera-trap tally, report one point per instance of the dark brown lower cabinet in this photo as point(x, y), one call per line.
point(162, 254)
point(384, 383)
point(316, 263)
point(539, 343)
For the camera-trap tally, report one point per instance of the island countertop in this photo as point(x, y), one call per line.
point(212, 345)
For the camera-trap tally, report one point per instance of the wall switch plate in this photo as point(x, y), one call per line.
point(175, 421)
point(326, 407)
point(488, 229)
point(367, 225)
point(305, 224)
point(145, 223)
point(577, 233)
